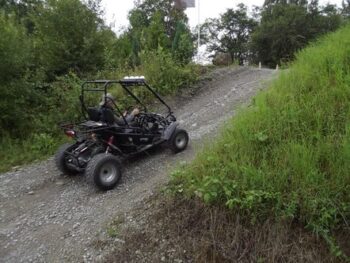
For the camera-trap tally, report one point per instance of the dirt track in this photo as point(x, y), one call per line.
point(45, 217)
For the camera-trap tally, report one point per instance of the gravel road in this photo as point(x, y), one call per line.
point(48, 217)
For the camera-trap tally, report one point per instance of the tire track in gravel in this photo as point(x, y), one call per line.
point(45, 217)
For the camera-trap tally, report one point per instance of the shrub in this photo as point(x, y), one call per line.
point(14, 54)
point(164, 73)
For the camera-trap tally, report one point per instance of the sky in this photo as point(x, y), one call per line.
point(116, 11)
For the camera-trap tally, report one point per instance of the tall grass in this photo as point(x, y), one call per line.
point(37, 147)
point(288, 154)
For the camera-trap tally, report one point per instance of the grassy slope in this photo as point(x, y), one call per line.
point(19, 152)
point(287, 156)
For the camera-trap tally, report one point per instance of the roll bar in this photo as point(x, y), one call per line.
point(127, 83)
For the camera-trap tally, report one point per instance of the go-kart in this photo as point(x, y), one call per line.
point(101, 144)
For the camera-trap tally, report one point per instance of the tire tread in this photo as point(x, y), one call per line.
point(172, 144)
point(93, 164)
point(59, 159)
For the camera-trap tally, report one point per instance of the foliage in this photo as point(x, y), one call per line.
point(182, 46)
point(60, 96)
point(121, 52)
point(22, 11)
point(345, 11)
point(14, 49)
point(159, 23)
point(287, 156)
point(38, 134)
point(164, 73)
point(230, 34)
point(273, 33)
point(140, 17)
point(282, 31)
point(15, 59)
point(154, 35)
point(69, 35)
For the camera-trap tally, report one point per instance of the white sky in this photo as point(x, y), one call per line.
point(116, 11)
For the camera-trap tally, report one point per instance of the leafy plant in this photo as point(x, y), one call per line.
point(164, 73)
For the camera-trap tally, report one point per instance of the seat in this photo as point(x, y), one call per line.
point(101, 114)
point(107, 116)
point(94, 114)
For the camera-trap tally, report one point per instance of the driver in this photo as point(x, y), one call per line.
point(109, 102)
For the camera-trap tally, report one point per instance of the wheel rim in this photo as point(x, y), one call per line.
point(180, 140)
point(108, 173)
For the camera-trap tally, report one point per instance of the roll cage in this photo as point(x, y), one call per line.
point(126, 83)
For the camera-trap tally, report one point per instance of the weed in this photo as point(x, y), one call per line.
point(114, 227)
point(112, 231)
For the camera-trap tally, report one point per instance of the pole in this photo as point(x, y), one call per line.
point(199, 32)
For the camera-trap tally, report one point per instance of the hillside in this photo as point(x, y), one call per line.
point(287, 156)
point(275, 185)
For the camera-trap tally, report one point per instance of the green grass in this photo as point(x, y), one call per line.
point(19, 152)
point(288, 154)
point(114, 227)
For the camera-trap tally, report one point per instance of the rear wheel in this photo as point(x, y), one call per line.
point(179, 140)
point(62, 159)
point(104, 170)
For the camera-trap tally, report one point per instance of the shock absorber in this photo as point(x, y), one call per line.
point(110, 144)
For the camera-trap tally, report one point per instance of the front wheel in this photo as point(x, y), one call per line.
point(104, 170)
point(179, 140)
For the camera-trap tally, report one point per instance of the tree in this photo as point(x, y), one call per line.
point(138, 19)
point(144, 11)
point(160, 24)
point(15, 49)
point(284, 2)
point(69, 35)
point(282, 30)
point(281, 33)
point(322, 19)
point(120, 53)
point(23, 11)
point(182, 46)
point(154, 35)
point(345, 11)
point(230, 33)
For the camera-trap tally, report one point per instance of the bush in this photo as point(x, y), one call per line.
point(69, 35)
point(39, 134)
point(14, 54)
point(164, 73)
point(288, 154)
point(62, 96)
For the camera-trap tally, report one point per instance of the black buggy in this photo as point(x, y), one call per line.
point(101, 144)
